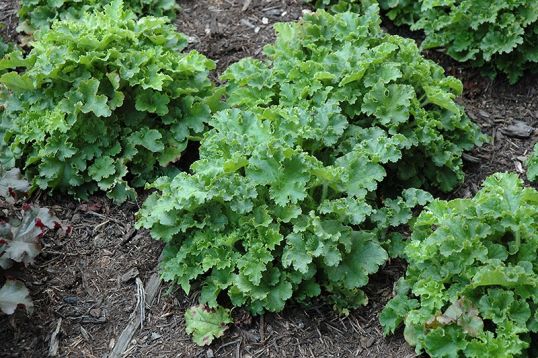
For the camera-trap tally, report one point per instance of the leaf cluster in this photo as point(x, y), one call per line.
point(206, 324)
point(40, 14)
point(5, 48)
point(6, 157)
point(471, 287)
point(375, 80)
point(20, 237)
point(104, 103)
point(302, 180)
point(340, 5)
point(499, 35)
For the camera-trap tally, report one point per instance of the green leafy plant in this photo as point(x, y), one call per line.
point(500, 35)
point(375, 80)
point(338, 5)
point(471, 285)
point(105, 103)
point(6, 157)
point(39, 14)
point(300, 184)
point(532, 165)
point(21, 231)
point(5, 48)
point(262, 215)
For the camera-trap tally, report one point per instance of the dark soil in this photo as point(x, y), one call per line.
point(78, 279)
point(8, 20)
point(229, 30)
point(495, 105)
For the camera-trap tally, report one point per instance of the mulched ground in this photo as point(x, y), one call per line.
point(88, 279)
point(228, 30)
point(497, 108)
point(8, 20)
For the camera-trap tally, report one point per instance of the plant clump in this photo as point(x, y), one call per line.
point(105, 103)
point(471, 286)
point(501, 36)
point(302, 181)
point(40, 14)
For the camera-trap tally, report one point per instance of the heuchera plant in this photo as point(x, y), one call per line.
point(376, 81)
point(6, 157)
point(300, 183)
point(105, 102)
point(39, 14)
point(20, 238)
point(471, 287)
point(500, 35)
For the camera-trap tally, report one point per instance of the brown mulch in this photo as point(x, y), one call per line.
point(496, 107)
point(80, 278)
point(229, 30)
point(8, 20)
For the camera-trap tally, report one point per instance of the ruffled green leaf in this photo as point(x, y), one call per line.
point(206, 324)
point(302, 180)
point(103, 101)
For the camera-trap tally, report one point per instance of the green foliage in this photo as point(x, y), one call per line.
point(501, 35)
point(374, 80)
point(300, 182)
point(39, 14)
point(8, 51)
point(20, 237)
point(339, 5)
point(262, 219)
point(532, 165)
point(206, 324)
point(5, 48)
point(105, 103)
point(471, 287)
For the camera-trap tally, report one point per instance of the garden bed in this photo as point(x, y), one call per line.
point(88, 280)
